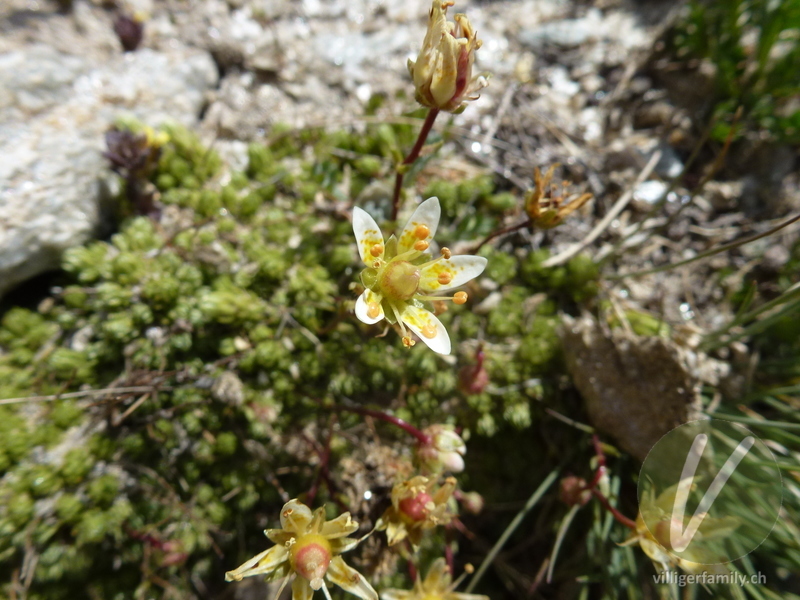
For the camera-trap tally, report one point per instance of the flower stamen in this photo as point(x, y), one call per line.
point(373, 310)
point(458, 298)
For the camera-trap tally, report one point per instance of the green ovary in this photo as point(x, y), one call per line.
point(399, 280)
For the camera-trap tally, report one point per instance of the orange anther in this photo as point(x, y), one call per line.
point(408, 342)
point(376, 250)
point(429, 331)
point(444, 278)
point(422, 232)
point(460, 297)
point(446, 253)
point(421, 246)
point(373, 310)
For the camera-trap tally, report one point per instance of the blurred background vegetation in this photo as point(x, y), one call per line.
point(221, 317)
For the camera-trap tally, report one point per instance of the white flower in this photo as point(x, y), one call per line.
point(442, 72)
point(308, 546)
point(400, 274)
point(445, 452)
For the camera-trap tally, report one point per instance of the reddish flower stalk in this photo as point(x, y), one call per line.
point(501, 231)
point(323, 473)
point(617, 515)
point(422, 438)
point(409, 160)
point(592, 486)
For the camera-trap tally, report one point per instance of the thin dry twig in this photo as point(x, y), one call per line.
point(620, 205)
point(87, 393)
point(708, 253)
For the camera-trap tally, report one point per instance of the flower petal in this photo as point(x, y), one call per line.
point(443, 494)
point(429, 329)
point(317, 521)
point(349, 579)
point(295, 516)
point(438, 577)
point(344, 544)
point(368, 235)
point(363, 307)
point(301, 589)
point(279, 536)
point(262, 564)
point(397, 595)
point(445, 74)
point(341, 526)
point(456, 271)
point(427, 215)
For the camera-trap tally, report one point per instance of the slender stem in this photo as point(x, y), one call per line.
point(562, 531)
point(84, 393)
point(404, 425)
point(535, 497)
point(412, 156)
point(617, 515)
point(499, 232)
point(449, 558)
point(707, 253)
point(324, 460)
point(601, 470)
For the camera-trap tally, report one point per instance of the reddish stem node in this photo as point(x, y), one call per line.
point(412, 156)
point(422, 438)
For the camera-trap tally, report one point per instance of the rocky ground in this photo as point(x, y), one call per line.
point(571, 83)
point(587, 85)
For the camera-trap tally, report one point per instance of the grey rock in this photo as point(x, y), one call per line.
point(53, 112)
point(568, 33)
point(669, 165)
point(636, 389)
point(650, 192)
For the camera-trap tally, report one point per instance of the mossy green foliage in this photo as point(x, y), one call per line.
point(754, 46)
point(778, 341)
point(250, 272)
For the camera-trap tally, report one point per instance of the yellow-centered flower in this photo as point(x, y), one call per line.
point(546, 209)
point(442, 73)
point(417, 507)
point(308, 546)
point(436, 586)
point(653, 535)
point(400, 274)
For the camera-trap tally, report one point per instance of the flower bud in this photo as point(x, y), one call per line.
point(442, 73)
point(445, 451)
point(472, 502)
point(574, 490)
point(473, 379)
